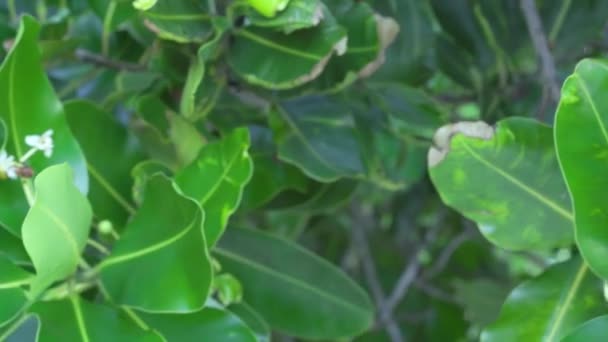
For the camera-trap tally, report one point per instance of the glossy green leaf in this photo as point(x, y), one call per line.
point(180, 20)
point(279, 61)
point(216, 179)
point(550, 306)
point(282, 280)
point(209, 324)
point(317, 134)
point(28, 105)
point(270, 175)
point(299, 14)
point(163, 247)
point(581, 140)
point(142, 172)
point(56, 228)
point(253, 320)
point(189, 104)
point(3, 134)
point(111, 153)
point(12, 297)
point(591, 331)
point(12, 248)
point(369, 34)
point(75, 319)
point(116, 11)
point(406, 58)
point(498, 176)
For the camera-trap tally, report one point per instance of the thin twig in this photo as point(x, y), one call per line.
point(102, 61)
point(370, 272)
point(434, 292)
point(447, 253)
point(408, 275)
point(541, 45)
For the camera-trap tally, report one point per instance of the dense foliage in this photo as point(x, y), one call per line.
point(256, 170)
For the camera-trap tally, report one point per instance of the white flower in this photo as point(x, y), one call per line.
point(42, 142)
point(8, 167)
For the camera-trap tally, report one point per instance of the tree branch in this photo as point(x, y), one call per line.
point(541, 45)
point(102, 61)
point(369, 270)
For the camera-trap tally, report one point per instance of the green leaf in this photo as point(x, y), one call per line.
point(163, 247)
point(318, 135)
point(281, 281)
point(3, 135)
point(276, 60)
point(550, 306)
point(111, 152)
point(270, 175)
point(142, 172)
point(406, 58)
point(498, 176)
point(28, 105)
point(369, 34)
point(591, 331)
point(216, 179)
point(269, 8)
point(209, 324)
point(75, 319)
point(299, 14)
point(12, 297)
point(253, 320)
point(180, 20)
point(120, 11)
point(12, 248)
point(581, 141)
point(189, 104)
point(56, 228)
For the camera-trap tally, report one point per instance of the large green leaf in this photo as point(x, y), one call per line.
point(294, 290)
point(591, 331)
point(550, 306)
point(318, 135)
point(216, 179)
point(498, 176)
point(581, 140)
point(28, 105)
point(279, 61)
point(111, 154)
point(56, 228)
point(163, 247)
point(12, 297)
point(406, 58)
point(75, 320)
point(209, 324)
point(270, 175)
point(180, 20)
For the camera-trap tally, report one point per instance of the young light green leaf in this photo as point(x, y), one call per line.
point(56, 227)
point(269, 8)
point(111, 153)
point(581, 138)
point(28, 105)
point(209, 324)
point(318, 135)
point(276, 60)
point(76, 319)
point(550, 306)
point(498, 176)
point(282, 280)
point(216, 180)
point(144, 5)
point(180, 20)
point(163, 247)
point(299, 14)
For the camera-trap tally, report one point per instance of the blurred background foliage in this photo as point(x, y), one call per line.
point(339, 151)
